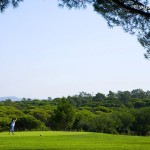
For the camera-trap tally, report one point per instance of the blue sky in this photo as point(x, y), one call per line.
point(48, 51)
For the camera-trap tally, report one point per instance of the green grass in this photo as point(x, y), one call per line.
point(50, 140)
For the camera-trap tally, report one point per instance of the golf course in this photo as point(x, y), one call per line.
point(57, 140)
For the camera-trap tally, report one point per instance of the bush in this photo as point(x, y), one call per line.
point(27, 122)
point(103, 123)
point(142, 123)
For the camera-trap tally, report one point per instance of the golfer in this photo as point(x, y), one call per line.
point(12, 126)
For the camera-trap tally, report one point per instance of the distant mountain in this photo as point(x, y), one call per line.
point(13, 98)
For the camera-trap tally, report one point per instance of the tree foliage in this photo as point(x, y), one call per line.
point(63, 116)
point(123, 112)
point(5, 3)
point(132, 15)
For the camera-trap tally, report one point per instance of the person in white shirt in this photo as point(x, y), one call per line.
point(12, 126)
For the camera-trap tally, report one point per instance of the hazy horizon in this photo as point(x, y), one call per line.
point(47, 51)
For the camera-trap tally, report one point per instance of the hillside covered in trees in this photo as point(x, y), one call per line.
point(123, 112)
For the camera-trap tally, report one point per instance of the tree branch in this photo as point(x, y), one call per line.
point(146, 14)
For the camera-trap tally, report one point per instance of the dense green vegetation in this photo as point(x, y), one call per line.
point(71, 141)
point(116, 113)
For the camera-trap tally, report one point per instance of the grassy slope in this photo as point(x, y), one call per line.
point(72, 141)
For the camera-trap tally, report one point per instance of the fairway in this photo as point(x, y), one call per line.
point(55, 140)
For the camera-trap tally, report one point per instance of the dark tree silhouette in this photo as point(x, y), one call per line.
point(5, 3)
point(132, 15)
